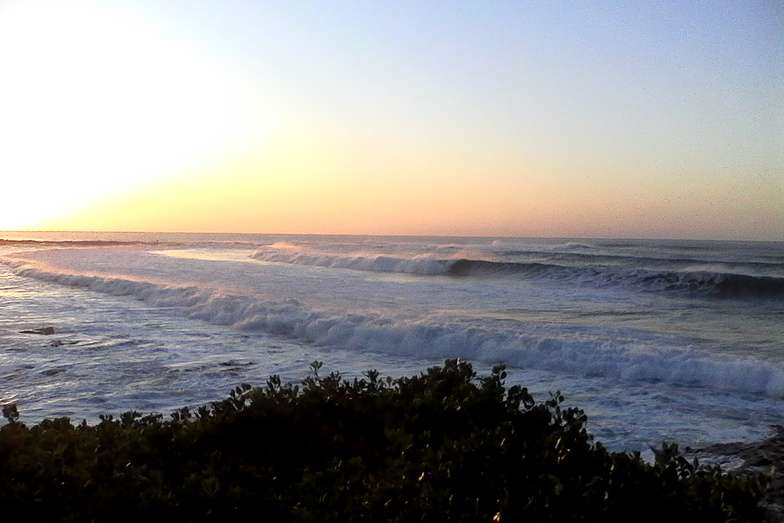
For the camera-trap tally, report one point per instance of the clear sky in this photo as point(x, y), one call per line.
point(516, 118)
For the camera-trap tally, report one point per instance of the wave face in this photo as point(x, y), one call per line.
point(681, 274)
point(420, 265)
point(721, 285)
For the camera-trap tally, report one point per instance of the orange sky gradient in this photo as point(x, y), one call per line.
point(505, 119)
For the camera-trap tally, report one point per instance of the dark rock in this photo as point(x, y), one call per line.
point(42, 330)
point(766, 456)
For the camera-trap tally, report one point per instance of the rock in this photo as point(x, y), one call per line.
point(42, 330)
point(766, 456)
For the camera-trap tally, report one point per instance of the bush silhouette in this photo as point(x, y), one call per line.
point(445, 445)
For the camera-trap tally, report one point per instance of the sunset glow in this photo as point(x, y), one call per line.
point(509, 118)
point(99, 104)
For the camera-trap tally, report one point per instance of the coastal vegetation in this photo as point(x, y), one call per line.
point(445, 445)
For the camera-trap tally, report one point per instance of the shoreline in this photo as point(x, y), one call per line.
point(764, 456)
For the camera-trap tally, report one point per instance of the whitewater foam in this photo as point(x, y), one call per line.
point(629, 356)
point(685, 280)
point(631, 330)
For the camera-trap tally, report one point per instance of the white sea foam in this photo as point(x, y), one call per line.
point(629, 329)
point(629, 357)
point(674, 275)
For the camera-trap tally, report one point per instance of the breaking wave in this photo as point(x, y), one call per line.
point(421, 265)
point(702, 283)
point(721, 285)
point(588, 353)
point(682, 282)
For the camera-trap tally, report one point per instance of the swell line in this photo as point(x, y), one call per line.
point(711, 284)
point(628, 358)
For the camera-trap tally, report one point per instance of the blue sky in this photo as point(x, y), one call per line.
point(514, 118)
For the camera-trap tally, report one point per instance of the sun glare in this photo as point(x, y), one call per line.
point(95, 102)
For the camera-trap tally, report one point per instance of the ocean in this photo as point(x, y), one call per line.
point(656, 340)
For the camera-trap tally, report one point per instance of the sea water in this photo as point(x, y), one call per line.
point(655, 340)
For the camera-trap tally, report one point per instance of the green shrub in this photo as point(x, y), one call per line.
point(445, 445)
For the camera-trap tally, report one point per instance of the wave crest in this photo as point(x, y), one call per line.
point(420, 265)
point(488, 340)
point(694, 283)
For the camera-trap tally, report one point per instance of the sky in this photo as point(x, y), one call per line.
point(504, 118)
